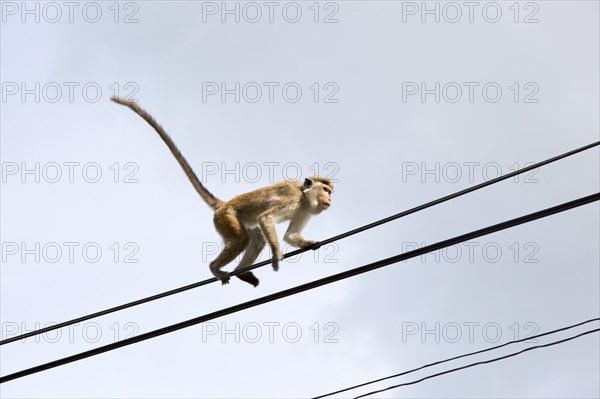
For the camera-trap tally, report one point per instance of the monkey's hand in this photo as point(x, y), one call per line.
point(275, 260)
point(297, 241)
point(308, 243)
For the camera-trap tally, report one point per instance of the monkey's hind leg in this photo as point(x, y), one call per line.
point(257, 243)
point(236, 239)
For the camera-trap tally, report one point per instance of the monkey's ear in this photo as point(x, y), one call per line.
point(308, 183)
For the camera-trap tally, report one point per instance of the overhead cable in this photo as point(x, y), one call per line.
point(299, 251)
point(456, 357)
point(479, 363)
point(308, 286)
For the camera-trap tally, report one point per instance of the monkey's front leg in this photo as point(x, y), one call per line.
point(268, 228)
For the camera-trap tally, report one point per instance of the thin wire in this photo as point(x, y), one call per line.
point(457, 357)
point(299, 251)
point(308, 286)
point(480, 363)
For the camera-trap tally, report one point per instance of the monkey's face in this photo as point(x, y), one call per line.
point(319, 197)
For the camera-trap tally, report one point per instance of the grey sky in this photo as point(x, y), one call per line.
point(361, 117)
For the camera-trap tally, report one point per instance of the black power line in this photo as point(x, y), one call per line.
point(480, 363)
point(455, 358)
point(308, 286)
point(299, 251)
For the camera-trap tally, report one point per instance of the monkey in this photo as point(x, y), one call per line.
point(247, 222)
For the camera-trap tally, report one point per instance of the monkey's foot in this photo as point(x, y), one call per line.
point(249, 277)
point(223, 276)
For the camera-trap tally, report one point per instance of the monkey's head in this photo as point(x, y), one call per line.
point(317, 191)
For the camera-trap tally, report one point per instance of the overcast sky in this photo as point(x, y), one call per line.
point(399, 102)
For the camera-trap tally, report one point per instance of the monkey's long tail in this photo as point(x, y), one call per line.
point(206, 195)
